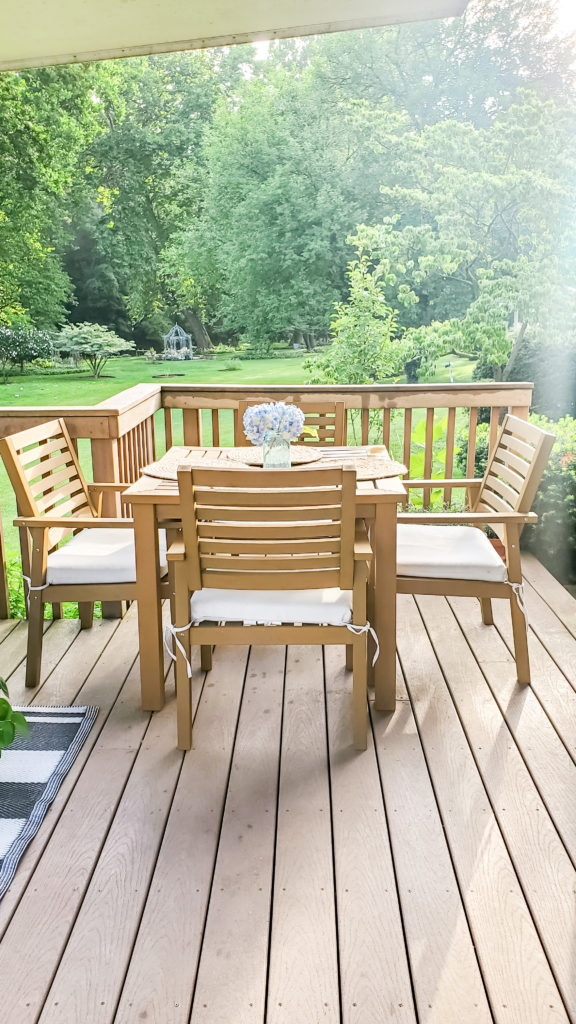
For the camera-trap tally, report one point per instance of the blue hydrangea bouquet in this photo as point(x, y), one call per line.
point(285, 422)
point(273, 425)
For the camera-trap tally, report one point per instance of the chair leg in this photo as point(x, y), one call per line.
point(520, 636)
point(486, 606)
point(183, 704)
point(56, 610)
point(206, 657)
point(34, 647)
point(86, 614)
point(350, 657)
point(360, 693)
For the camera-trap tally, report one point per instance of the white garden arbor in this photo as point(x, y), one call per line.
point(178, 344)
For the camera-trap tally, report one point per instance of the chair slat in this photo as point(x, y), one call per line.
point(49, 465)
point(293, 563)
point(42, 451)
point(288, 531)
point(254, 515)
point(60, 499)
point(311, 499)
point(516, 480)
point(500, 487)
point(518, 447)
point(293, 546)
point(508, 458)
point(52, 481)
point(272, 580)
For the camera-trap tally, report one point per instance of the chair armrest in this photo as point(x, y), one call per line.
point(72, 523)
point(176, 552)
point(107, 487)
point(476, 518)
point(441, 482)
point(362, 550)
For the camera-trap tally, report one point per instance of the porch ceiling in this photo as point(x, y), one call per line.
point(39, 32)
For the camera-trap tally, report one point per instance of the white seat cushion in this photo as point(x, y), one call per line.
point(330, 607)
point(98, 556)
point(448, 552)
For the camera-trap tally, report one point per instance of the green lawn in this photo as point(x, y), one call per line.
point(77, 388)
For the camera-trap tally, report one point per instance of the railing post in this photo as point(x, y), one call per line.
point(106, 469)
point(4, 597)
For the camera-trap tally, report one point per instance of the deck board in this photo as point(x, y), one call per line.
point(274, 876)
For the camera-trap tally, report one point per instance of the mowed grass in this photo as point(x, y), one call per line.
point(77, 388)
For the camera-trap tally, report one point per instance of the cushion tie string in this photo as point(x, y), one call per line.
point(173, 631)
point(518, 589)
point(357, 630)
point(31, 588)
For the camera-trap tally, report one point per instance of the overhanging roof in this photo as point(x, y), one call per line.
point(38, 32)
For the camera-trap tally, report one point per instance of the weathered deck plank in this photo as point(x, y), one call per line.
point(427, 881)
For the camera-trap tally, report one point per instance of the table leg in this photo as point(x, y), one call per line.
point(149, 607)
point(383, 603)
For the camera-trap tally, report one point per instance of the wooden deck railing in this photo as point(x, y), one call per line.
point(419, 424)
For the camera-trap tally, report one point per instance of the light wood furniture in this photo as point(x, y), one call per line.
point(56, 504)
point(269, 558)
point(326, 418)
point(156, 502)
point(122, 430)
point(463, 563)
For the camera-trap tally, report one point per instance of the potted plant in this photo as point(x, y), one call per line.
point(12, 723)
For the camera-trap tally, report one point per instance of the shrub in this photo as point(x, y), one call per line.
point(20, 344)
point(91, 343)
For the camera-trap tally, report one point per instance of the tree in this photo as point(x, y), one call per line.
point(268, 254)
point(47, 117)
point(482, 234)
point(92, 343)
point(364, 347)
point(20, 344)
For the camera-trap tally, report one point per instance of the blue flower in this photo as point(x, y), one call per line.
point(287, 421)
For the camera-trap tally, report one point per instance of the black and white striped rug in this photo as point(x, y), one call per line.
point(31, 773)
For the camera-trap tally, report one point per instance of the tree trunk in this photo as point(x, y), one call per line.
point(516, 349)
point(201, 337)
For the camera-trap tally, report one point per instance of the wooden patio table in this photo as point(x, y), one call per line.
point(155, 503)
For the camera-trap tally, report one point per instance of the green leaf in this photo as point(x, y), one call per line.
point(20, 724)
point(5, 710)
point(7, 734)
point(4, 687)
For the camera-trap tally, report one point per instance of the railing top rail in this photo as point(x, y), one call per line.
point(130, 397)
point(347, 389)
point(514, 394)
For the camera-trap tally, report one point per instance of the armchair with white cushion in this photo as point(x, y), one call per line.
point(449, 553)
point(55, 504)
point(269, 557)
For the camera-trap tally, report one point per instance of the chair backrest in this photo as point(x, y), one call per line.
point(45, 473)
point(326, 418)
point(515, 467)
point(254, 529)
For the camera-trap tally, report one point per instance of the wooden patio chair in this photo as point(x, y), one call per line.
point(269, 559)
point(326, 418)
point(55, 504)
point(438, 554)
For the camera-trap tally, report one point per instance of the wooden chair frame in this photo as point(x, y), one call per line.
point(327, 418)
point(310, 541)
point(54, 502)
point(501, 499)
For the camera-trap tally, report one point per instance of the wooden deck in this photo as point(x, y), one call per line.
point(273, 874)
